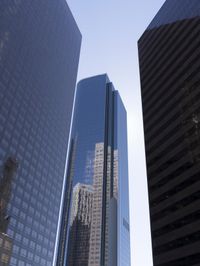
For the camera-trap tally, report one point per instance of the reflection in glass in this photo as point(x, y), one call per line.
point(80, 225)
point(94, 208)
point(6, 244)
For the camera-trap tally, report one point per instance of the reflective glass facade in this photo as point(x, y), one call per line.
point(95, 224)
point(169, 58)
point(39, 53)
point(123, 195)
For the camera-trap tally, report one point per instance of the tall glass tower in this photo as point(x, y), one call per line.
point(39, 54)
point(169, 55)
point(95, 224)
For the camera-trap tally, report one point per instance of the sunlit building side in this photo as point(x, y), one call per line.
point(39, 55)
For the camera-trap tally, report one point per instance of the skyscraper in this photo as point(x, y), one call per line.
point(39, 54)
point(169, 58)
point(95, 229)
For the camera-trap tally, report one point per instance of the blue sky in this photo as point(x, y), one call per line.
point(110, 30)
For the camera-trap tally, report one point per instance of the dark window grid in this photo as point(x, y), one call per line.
point(191, 141)
point(171, 125)
point(148, 42)
point(169, 110)
point(178, 176)
point(176, 206)
point(183, 221)
point(175, 53)
point(167, 129)
point(195, 94)
point(183, 241)
point(163, 145)
point(172, 138)
point(173, 45)
point(169, 160)
point(180, 111)
point(189, 182)
point(172, 82)
point(167, 175)
point(176, 170)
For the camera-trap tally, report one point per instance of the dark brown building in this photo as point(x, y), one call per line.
point(169, 56)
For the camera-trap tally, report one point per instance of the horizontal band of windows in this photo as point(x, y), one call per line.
point(161, 144)
point(195, 216)
point(172, 69)
point(181, 116)
point(175, 199)
point(164, 87)
point(189, 148)
point(151, 39)
point(170, 177)
point(183, 241)
point(190, 181)
point(177, 103)
point(176, 169)
point(191, 140)
point(164, 132)
point(168, 160)
point(181, 232)
point(171, 86)
point(160, 37)
point(158, 130)
point(176, 206)
point(185, 261)
point(166, 148)
point(177, 178)
point(166, 52)
point(174, 216)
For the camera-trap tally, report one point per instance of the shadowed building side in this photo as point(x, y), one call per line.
point(169, 57)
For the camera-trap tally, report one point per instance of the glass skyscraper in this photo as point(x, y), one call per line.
point(95, 222)
point(169, 55)
point(39, 54)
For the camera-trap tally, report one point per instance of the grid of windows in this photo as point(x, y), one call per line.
point(38, 67)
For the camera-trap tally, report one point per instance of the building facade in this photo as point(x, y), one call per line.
point(95, 224)
point(169, 57)
point(39, 54)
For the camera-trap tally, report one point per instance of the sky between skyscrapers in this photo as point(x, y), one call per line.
point(110, 31)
